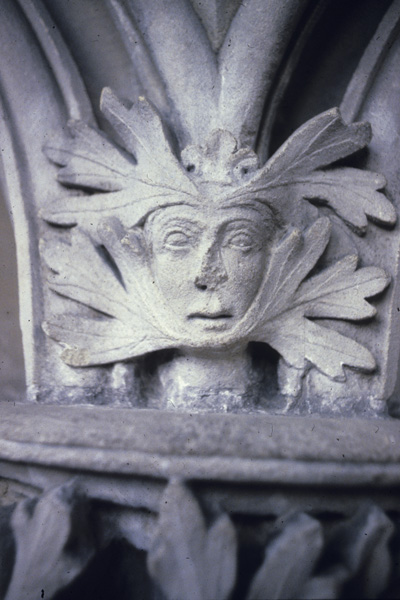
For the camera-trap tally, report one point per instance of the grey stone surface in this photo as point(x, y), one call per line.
point(209, 237)
point(358, 379)
point(205, 292)
point(12, 375)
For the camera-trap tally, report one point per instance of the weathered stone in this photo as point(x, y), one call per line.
point(199, 231)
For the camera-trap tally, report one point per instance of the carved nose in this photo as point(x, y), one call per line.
point(199, 283)
point(212, 272)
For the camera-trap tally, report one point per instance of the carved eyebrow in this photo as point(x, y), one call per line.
point(165, 224)
point(241, 222)
point(180, 222)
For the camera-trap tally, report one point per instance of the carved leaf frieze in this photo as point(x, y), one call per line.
point(303, 556)
point(202, 561)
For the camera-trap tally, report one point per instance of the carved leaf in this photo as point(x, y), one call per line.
point(45, 534)
point(323, 140)
point(72, 278)
point(143, 135)
point(318, 143)
point(362, 548)
point(120, 292)
point(289, 560)
point(338, 292)
point(298, 340)
point(292, 260)
point(352, 194)
point(357, 552)
point(186, 560)
point(327, 587)
point(97, 342)
point(88, 211)
point(90, 160)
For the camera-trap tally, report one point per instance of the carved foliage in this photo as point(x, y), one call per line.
point(138, 320)
point(156, 178)
point(132, 316)
point(338, 292)
point(131, 321)
point(186, 559)
point(143, 176)
point(301, 560)
point(189, 559)
point(289, 560)
point(53, 542)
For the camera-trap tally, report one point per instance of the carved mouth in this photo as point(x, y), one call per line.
point(210, 317)
point(211, 321)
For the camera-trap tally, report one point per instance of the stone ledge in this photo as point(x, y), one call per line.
point(257, 447)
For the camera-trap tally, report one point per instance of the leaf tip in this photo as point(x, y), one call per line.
point(76, 126)
point(324, 223)
point(107, 96)
point(111, 106)
point(75, 357)
point(45, 327)
point(362, 131)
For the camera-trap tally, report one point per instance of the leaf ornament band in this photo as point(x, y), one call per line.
point(142, 174)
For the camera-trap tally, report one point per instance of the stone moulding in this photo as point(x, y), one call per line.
point(210, 446)
point(130, 468)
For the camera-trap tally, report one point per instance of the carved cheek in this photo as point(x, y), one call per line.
point(173, 273)
point(245, 272)
point(244, 266)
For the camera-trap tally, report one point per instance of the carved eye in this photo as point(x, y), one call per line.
point(177, 239)
point(242, 241)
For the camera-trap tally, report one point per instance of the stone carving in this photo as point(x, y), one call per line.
point(294, 556)
point(208, 252)
point(185, 262)
point(181, 538)
point(53, 543)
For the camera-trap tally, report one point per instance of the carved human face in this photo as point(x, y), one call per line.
point(209, 263)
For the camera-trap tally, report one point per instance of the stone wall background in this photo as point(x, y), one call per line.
point(12, 379)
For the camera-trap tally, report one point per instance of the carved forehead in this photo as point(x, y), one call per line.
point(209, 215)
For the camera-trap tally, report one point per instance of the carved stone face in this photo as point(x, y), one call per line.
point(209, 263)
